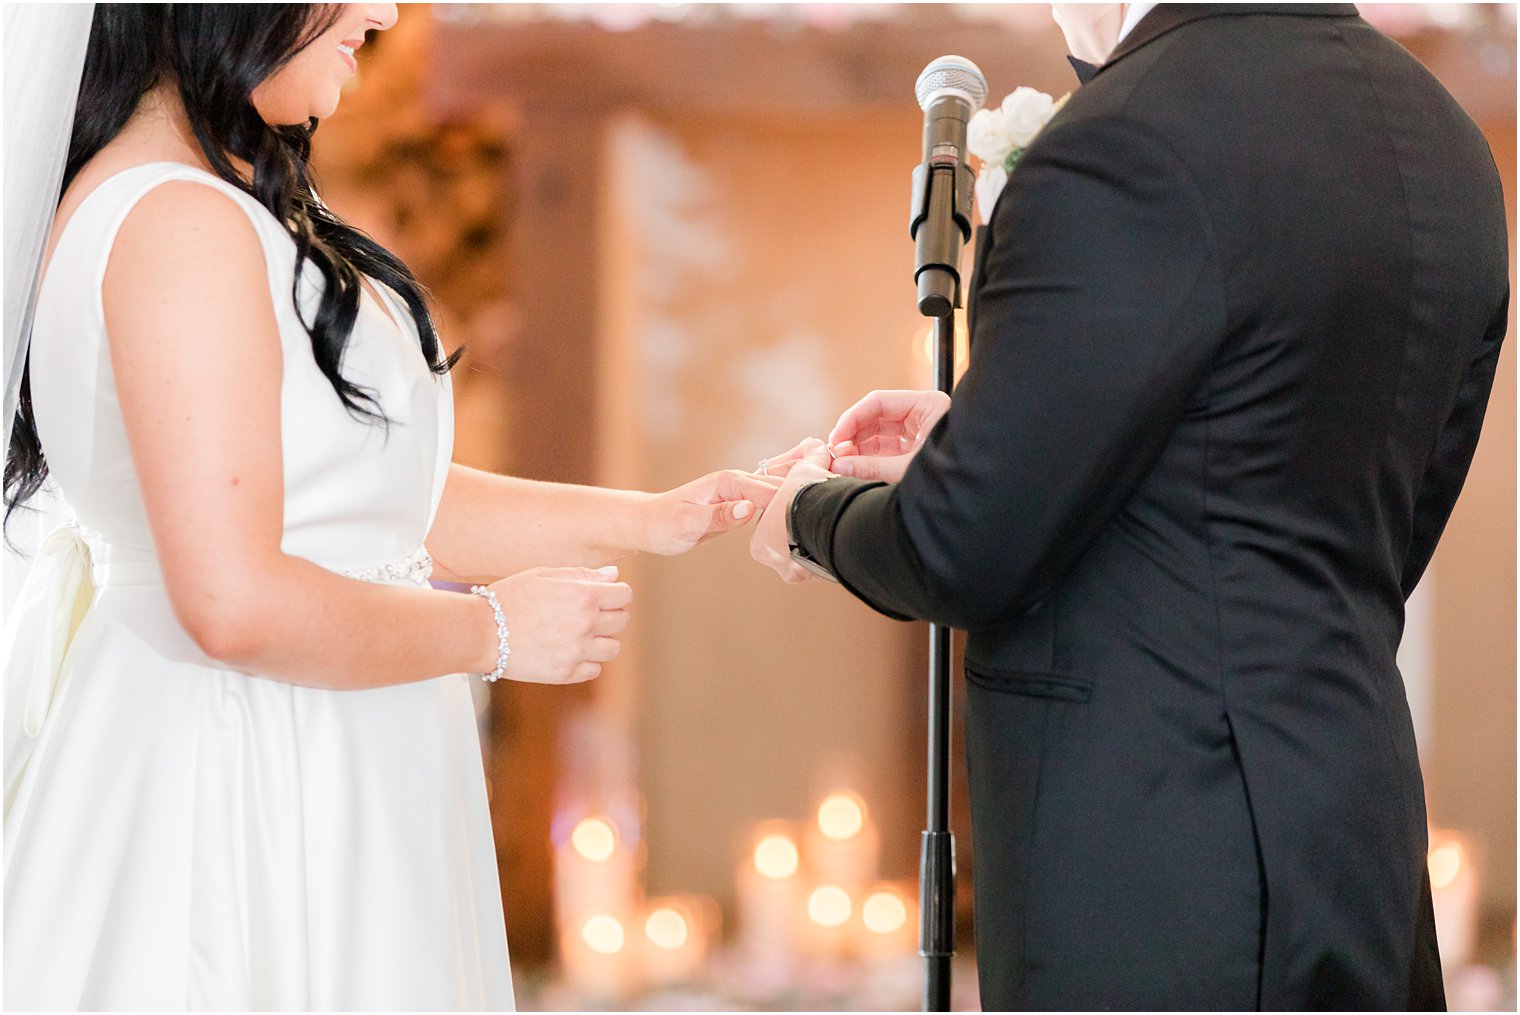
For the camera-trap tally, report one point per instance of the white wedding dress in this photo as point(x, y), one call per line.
point(182, 835)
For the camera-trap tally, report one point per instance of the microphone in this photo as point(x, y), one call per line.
point(949, 90)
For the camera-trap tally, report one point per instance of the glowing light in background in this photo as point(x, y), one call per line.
point(923, 344)
point(841, 816)
point(829, 906)
point(595, 839)
point(884, 913)
point(603, 934)
point(666, 929)
point(1445, 865)
point(776, 857)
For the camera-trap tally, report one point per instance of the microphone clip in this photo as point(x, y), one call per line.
point(965, 193)
point(940, 224)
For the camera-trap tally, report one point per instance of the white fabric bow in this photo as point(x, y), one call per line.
point(41, 627)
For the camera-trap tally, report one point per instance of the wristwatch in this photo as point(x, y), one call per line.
point(799, 555)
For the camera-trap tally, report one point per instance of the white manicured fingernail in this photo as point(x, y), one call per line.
point(743, 509)
point(610, 569)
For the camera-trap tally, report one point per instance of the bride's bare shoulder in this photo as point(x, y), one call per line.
point(187, 220)
point(180, 198)
point(185, 251)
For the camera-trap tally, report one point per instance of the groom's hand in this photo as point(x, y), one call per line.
point(878, 436)
point(806, 463)
point(679, 519)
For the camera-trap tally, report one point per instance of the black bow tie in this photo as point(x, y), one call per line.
point(1084, 70)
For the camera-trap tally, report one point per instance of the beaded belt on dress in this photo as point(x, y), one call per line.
point(417, 569)
point(111, 564)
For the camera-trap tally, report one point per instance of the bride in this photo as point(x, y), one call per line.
point(241, 767)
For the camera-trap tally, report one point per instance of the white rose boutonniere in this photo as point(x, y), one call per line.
point(1025, 112)
point(999, 136)
point(988, 136)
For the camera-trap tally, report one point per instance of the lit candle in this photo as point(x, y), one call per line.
point(1454, 891)
point(827, 920)
point(596, 887)
point(595, 870)
point(842, 845)
point(889, 923)
point(676, 934)
point(769, 894)
point(595, 955)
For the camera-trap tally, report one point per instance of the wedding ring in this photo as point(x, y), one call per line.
point(765, 467)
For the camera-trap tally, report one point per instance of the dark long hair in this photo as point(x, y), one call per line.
point(216, 54)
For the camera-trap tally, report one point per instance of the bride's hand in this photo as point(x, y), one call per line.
point(562, 623)
point(678, 520)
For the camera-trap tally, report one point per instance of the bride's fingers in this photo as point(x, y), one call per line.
point(791, 456)
point(610, 622)
point(731, 514)
point(782, 464)
point(742, 486)
point(585, 672)
point(778, 470)
point(603, 650)
point(699, 521)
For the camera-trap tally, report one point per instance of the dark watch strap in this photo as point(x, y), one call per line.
point(799, 555)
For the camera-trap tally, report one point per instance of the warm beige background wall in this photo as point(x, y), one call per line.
point(755, 283)
point(1469, 760)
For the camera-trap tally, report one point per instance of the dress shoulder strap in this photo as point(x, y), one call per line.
point(83, 251)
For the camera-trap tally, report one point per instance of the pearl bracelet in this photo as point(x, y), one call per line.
point(503, 646)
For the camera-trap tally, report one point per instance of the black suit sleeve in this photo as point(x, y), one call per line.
point(1098, 309)
point(1453, 453)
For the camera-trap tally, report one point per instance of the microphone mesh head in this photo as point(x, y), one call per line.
point(951, 73)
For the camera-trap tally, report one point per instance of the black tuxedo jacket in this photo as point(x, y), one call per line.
point(1234, 324)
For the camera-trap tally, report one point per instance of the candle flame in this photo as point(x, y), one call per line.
point(1445, 864)
point(594, 839)
point(776, 857)
point(829, 906)
point(884, 912)
point(841, 816)
point(666, 928)
point(603, 934)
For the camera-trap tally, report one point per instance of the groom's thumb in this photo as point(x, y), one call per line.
point(859, 467)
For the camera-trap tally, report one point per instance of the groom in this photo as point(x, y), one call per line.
point(1234, 325)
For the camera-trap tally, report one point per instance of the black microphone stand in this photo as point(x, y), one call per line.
point(940, 223)
point(936, 865)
